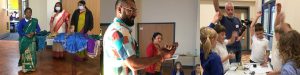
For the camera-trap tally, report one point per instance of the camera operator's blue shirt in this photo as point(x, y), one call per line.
point(232, 24)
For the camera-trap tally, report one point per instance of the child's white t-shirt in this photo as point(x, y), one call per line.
point(221, 50)
point(259, 47)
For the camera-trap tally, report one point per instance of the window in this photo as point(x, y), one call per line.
point(268, 19)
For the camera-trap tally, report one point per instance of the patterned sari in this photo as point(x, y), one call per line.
point(59, 22)
point(27, 47)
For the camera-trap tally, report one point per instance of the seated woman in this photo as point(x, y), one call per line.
point(178, 69)
point(153, 49)
point(198, 70)
point(27, 29)
point(210, 61)
point(289, 49)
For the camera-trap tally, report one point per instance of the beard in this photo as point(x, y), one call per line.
point(128, 20)
point(230, 17)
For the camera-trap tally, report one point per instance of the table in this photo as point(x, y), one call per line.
point(13, 25)
point(248, 69)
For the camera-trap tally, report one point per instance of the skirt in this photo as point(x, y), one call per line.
point(75, 42)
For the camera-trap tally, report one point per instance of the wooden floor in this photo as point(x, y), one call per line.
point(9, 55)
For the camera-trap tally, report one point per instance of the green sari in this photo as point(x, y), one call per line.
point(27, 47)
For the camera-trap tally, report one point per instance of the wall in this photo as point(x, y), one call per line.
point(39, 11)
point(107, 11)
point(50, 12)
point(292, 15)
point(4, 18)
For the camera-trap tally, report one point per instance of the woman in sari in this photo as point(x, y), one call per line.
point(27, 29)
point(58, 27)
point(82, 20)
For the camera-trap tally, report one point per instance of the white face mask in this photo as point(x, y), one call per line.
point(57, 8)
point(80, 7)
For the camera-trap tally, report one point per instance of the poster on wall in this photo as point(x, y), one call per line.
point(13, 4)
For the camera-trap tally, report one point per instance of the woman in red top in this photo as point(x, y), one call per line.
point(153, 50)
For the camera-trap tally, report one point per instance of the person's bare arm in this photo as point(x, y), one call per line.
point(252, 26)
point(216, 18)
point(232, 38)
point(51, 25)
point(274, 73)
point(217, 7)
point(135, 63)
point(277, 19)
point(227, 57)
point(239, 38)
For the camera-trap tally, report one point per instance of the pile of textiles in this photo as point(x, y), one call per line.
point(41, 39)
point(93, 45)
point(75, 42)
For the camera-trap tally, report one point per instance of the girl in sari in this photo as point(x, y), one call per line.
point(58, 27)
point(27, 29)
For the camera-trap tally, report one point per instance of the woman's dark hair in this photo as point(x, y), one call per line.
point(155, 34)
point(219, 28)
point(60, 7)
point(81, 2)
point(28, 8)
point(175, 66)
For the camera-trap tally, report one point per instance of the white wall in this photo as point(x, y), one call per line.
point(50, 12)
point(291, 13)
point(183, 12)
point(107, 11)
point(42, 10)
point(38, 11)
